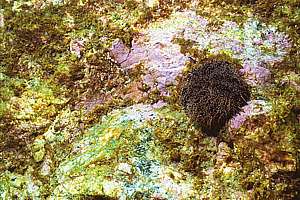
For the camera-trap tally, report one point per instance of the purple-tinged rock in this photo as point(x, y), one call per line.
point(163, 60)
point(252, 43)
point(76, 46)
point(255, 74)
point(119, 51)
point(254, 107)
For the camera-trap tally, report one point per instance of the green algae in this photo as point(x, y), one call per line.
point(37, 69)
point(121, 147)
point(38, 96)
point(271, 146)
point(19, 186)
point(274, 134)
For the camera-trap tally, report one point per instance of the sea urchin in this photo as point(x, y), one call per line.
point(212, 94)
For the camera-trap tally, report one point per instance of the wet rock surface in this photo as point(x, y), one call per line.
point(89, 100)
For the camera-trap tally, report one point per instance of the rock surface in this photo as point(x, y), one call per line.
point(89, 101)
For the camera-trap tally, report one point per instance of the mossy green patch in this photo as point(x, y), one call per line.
point(19, 186)
point(45, 126)
point(120, 153)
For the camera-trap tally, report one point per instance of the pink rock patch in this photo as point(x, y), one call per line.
point(76, 46)
point(255, 44)
point(119, 51)
point(254, 107)
point(163, 60)
point(255, 74)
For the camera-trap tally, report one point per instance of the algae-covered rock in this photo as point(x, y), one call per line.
point(38, 149)
point(121, 158)
point(257, 46)
point(16, 186)
point(89, 105)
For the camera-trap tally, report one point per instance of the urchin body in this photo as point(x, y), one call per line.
point(212, 94)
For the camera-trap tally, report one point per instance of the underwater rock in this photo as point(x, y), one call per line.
point(163, 60)
point(119, 51)
point(38, 149)
point(254, 107)
point(255, 74)
point(253, 43)
point(142, 151)
point(119, 158)
point(152, 3)
point(1, 19)
point(16, 186)
point(76, 46)
point(212, 94)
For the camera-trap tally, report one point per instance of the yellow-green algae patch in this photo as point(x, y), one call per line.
point(125, 158)
point(16, 186)
point(36, 61)
point(40, 76)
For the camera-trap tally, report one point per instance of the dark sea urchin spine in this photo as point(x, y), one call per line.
point(212, 94)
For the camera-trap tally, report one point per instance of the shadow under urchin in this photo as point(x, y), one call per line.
point(212, 94)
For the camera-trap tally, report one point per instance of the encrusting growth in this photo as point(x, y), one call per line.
point(212, 94)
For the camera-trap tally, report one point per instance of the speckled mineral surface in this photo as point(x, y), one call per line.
point(89, 100)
